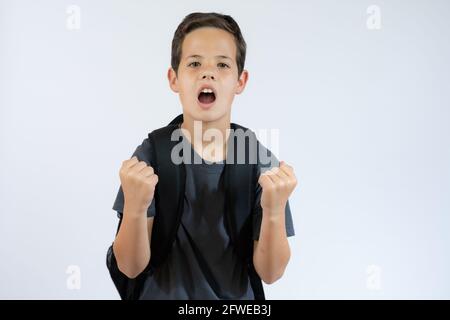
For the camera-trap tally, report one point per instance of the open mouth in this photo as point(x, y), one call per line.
point(206, 96)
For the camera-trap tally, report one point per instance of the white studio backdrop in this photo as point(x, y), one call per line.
point(359, 91)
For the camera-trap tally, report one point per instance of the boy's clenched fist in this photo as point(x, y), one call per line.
point(138, 184)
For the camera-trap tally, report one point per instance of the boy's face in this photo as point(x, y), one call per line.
point(208, 60)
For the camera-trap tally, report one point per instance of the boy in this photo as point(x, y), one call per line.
point(202, 261)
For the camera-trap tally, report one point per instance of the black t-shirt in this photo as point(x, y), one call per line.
point(202, 264)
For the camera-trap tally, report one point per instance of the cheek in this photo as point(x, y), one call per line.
point(229, 87)
point(187, 89)
point(185, 80)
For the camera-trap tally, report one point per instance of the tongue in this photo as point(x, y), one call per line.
point(206, 97)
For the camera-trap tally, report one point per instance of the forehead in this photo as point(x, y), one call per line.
point(209, 41)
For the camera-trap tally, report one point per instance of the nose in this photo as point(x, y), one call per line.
point(208, 75)
point(207, 72)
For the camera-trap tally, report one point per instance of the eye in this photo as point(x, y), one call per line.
point(222, 65)
point(194, 64)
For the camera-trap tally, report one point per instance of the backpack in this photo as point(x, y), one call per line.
point(240, 183)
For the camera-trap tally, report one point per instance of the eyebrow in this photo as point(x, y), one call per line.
point(199, 56)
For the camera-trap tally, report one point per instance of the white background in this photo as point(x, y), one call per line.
point(363, 116)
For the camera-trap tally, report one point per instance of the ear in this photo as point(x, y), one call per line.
point(242, 81)
point(173, 81)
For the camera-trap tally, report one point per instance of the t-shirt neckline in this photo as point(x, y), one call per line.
point(209, 165)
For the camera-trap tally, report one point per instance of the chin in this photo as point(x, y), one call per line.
point(206, 115)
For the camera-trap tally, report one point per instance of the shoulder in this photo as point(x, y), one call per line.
point(144, 151)
point(163, 132)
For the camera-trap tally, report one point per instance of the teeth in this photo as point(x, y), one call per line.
point(206, 90)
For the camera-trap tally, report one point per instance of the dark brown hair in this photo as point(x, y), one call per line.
point(198, 20)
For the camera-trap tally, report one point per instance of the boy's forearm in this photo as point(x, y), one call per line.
point(272, 252)
point(132, 246)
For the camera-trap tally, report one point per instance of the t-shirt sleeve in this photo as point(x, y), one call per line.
point(144, 153)
point(268, 161)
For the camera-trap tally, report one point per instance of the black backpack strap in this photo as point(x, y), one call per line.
point(240, 183)
point(239, 191)
point(177, 120)
point(169, 193)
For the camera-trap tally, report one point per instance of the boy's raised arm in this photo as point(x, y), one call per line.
point(272, 253)
point(132, 244)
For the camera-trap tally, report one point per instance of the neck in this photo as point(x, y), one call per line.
point(209, 138)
